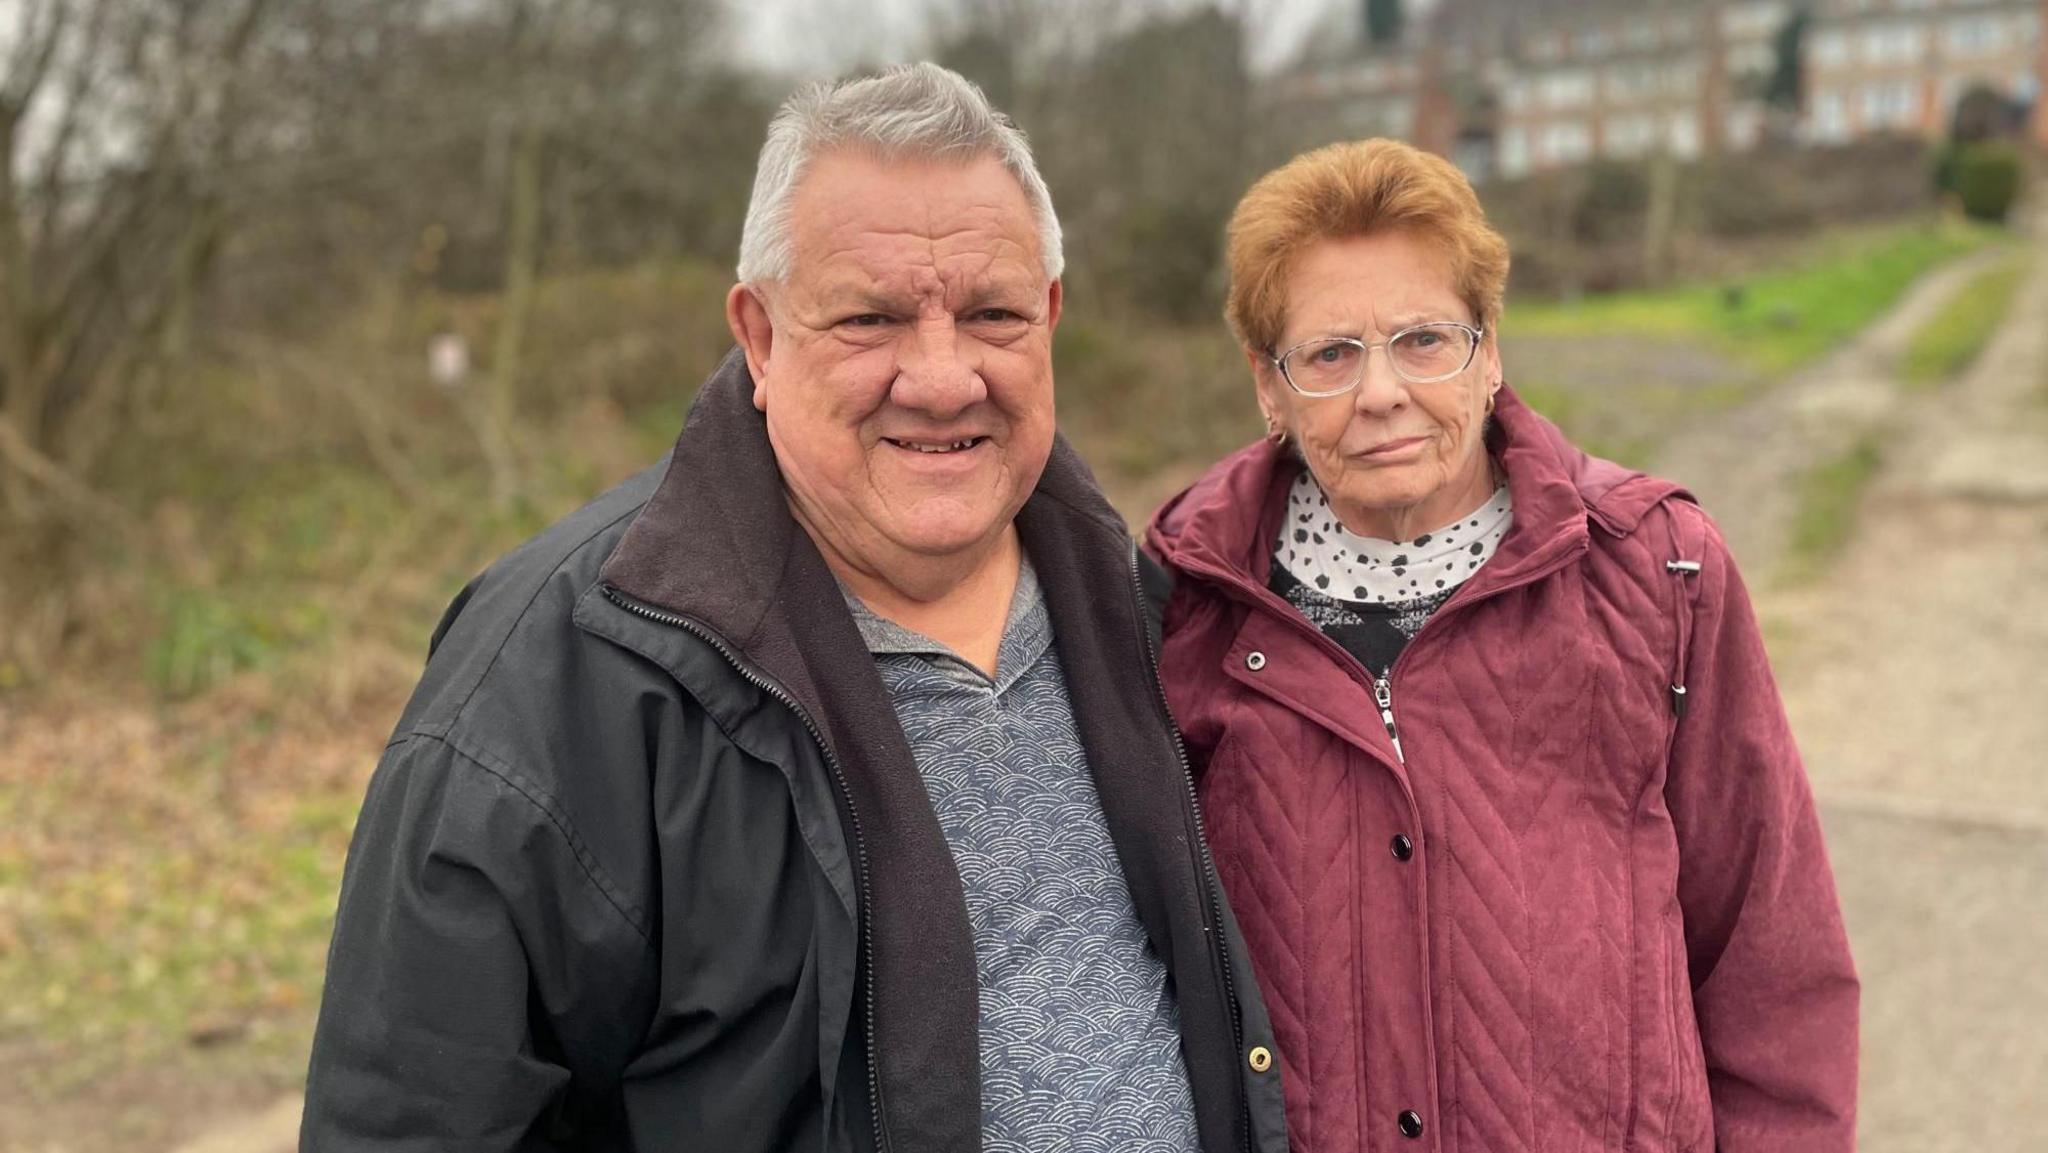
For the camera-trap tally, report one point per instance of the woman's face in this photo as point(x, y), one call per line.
point(1396, 459)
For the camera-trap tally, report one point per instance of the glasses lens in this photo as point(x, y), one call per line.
point(1325, 365)
point(1432, 351)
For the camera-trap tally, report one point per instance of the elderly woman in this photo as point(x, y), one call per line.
point(1495, 773)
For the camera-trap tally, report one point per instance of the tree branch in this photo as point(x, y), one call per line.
point(51, 187)
point(33, 54)
point(24, 460)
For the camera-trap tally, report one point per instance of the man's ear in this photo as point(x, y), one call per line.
point(1053, 299)
point(752, 329)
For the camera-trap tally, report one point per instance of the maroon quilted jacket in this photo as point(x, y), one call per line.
point(1572, 919)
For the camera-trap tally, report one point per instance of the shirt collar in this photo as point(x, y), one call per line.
point(1027, 633)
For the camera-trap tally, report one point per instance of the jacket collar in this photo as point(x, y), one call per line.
point(721, 512)
point(1225, 523)
point(716, 544)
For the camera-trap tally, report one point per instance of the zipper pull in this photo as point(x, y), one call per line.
point(1383, 692)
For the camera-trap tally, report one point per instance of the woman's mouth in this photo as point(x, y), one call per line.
point(1395, 449)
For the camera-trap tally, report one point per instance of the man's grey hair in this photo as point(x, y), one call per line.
point(911, 111)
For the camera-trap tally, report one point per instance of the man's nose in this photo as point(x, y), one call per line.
point(936, 373)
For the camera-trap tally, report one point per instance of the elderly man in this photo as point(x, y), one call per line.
point(815, 792)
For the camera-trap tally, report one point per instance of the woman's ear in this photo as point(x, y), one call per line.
point(1268, 387)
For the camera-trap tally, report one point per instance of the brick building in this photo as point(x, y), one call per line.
point(1512, 87)
point(1900, 66)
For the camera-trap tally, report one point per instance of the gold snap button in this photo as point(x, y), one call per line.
point(1255, 661)
point(1261, 1058)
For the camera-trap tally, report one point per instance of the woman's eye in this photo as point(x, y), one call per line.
point(1331, 355)
point(1426, 339)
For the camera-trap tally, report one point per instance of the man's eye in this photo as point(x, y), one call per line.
point(995, 316)
point(866, 320)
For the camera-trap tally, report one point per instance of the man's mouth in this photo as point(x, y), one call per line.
point(936, 447)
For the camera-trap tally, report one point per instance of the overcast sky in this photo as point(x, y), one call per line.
point(824, 36)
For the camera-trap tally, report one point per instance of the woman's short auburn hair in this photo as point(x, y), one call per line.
point(1351, 189)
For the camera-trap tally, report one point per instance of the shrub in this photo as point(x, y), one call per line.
point(1945, 168)
point(205, 639)
point(1987, 180)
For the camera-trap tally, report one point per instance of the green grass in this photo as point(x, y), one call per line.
point(1951, 340)
point(1829, 497)
point(1777, 321)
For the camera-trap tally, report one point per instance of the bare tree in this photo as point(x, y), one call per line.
point(107, 242)
point(1139, 115)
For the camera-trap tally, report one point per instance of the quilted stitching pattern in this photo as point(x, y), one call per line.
point(1288, 870)
point(1529, 763)
point(1541, 975)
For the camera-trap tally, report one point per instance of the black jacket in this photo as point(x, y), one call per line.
point(647, 863)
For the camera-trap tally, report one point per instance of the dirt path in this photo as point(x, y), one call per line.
point(1913, 671)
point(1914, 677)
point(1744, 466)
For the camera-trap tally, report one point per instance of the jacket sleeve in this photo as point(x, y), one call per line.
point(463, 907)
point(1773, 986)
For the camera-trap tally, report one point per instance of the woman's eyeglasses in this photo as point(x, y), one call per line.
point(1419, 354)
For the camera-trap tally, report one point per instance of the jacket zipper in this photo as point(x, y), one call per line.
point(860, 851)
point(1383, 693)
point(1208, 863)
point(1382, 686)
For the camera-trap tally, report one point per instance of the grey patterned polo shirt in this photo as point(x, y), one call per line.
point(1080, 1035)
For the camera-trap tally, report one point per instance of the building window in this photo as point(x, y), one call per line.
point(1628, 136)
point(1566, 142)
point(1514, 152)
point(1951, 93)
point(1684, 129)
point(1640, 34)
point(1745, 126)
point(1568, 89)
point(1631, 81)
point(1682, 78)
point(1890, 104)
point(1829, 118)
point(1753, 60)
point(1894, 43)
point(1973, 36)
point(1830, 49)
point(1753, 21)
point(1397, 118)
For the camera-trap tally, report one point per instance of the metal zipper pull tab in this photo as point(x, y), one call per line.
point(1383, 692)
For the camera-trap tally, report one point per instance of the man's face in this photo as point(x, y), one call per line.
point(905, 367)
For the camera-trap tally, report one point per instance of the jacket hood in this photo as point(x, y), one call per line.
point(1222, 522)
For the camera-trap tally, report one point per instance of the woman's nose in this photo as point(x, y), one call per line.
point(1379, 389)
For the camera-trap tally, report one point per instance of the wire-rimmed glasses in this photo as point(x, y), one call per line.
point(1418, 354)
